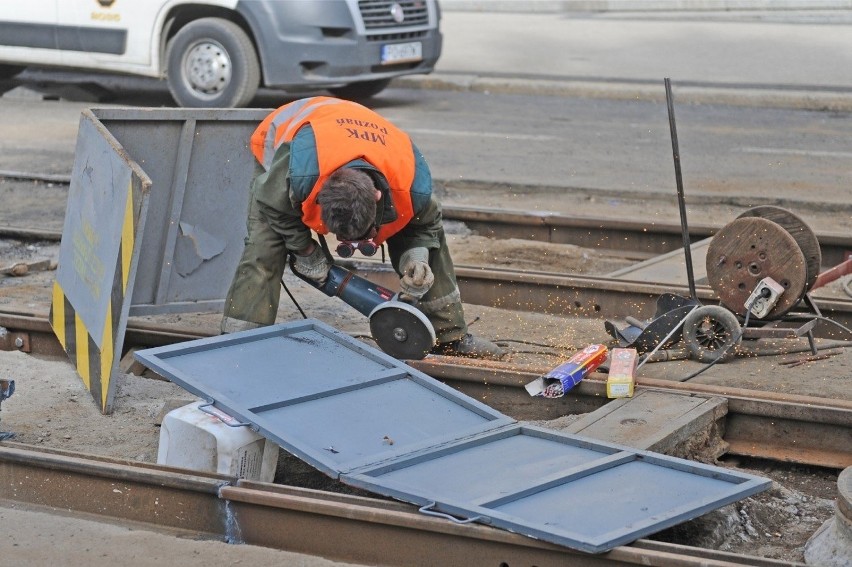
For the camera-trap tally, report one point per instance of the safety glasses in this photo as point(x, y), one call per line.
point(366, 245)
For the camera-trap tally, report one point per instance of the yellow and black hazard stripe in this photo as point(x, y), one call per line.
point(94, 365)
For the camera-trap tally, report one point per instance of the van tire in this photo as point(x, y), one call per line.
point(361, 90)
point(212, 63)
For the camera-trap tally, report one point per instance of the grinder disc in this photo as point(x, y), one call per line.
point(749, 249)
point(402, 330)
point(801, 233)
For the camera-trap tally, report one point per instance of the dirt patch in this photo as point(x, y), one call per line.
point(775, 524)
point(515, 254)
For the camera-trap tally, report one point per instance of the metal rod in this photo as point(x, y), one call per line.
point(680, 197)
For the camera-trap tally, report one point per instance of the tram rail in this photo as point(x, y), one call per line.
point(635, 238)
point(335, 526)
point(573, 294)
point(781, 427)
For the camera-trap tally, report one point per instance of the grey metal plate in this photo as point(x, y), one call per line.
point(98, 257)
point(322, 395)
point(375, 423)
point(560, 488)
point(669, 268)
point(201, 169)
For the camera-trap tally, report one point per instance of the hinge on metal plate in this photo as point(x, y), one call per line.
point(427, 509)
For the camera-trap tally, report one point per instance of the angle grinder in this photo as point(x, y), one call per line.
point(399, 328)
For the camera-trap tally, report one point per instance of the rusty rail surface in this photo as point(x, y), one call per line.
point(571, 294)
point(643, 237)
point(781, 427)
point(635, 239)
point(588, 296)
point(335, 526)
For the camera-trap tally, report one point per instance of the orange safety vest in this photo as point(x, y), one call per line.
point(344, 131)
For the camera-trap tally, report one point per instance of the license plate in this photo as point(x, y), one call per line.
point(400, 52)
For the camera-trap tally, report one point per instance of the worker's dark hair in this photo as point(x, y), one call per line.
point(347, 202)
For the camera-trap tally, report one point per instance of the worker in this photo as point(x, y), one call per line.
point(333, 166)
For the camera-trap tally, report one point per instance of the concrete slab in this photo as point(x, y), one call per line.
point(669, 267)
point(680, 425)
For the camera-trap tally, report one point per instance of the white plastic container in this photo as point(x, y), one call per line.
point(194, 439)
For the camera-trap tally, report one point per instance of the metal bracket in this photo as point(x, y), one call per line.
point(222, 416)
point(427, 509)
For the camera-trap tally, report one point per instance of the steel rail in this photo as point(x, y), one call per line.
point(338, 527)
point(633, 239)
point(646, 238)
point(585, 295)
point(568, 294)
point(780, 427)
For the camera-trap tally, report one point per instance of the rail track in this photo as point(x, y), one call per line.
point(598, 296)
point(783, 428)
point(552, 293)
point(340, 527)
point(375, 531)
point(634, 239)
point(807, 422)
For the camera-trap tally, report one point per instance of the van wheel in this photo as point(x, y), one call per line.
point(9, 71)
point(360, 91)
point(211, 63)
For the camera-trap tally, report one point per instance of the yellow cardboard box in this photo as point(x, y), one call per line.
point(622, 370)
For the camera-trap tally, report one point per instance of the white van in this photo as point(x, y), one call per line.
point(217, 53)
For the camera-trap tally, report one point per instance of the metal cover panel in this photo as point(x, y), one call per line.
point(201, 169)
point(560, 488)
point(325, 397)
point(266, 366)
point(357, 414)
point(98, 257)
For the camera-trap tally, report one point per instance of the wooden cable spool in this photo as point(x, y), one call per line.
point(751, 248)
point(801, 233)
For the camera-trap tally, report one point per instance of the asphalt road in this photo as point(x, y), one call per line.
point(576, 101)
point(728, 153)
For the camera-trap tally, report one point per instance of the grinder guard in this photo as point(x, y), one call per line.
point(399, 329)
point(402, 330)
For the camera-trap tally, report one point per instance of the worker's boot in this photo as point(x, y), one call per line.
point(471, 347)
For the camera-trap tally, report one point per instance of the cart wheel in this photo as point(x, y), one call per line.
point(711, 332)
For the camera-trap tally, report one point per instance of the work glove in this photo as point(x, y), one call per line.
point(314, 266)
point(417, 276)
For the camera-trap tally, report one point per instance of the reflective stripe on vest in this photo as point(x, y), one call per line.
point(271, 132)
point(345, 131)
